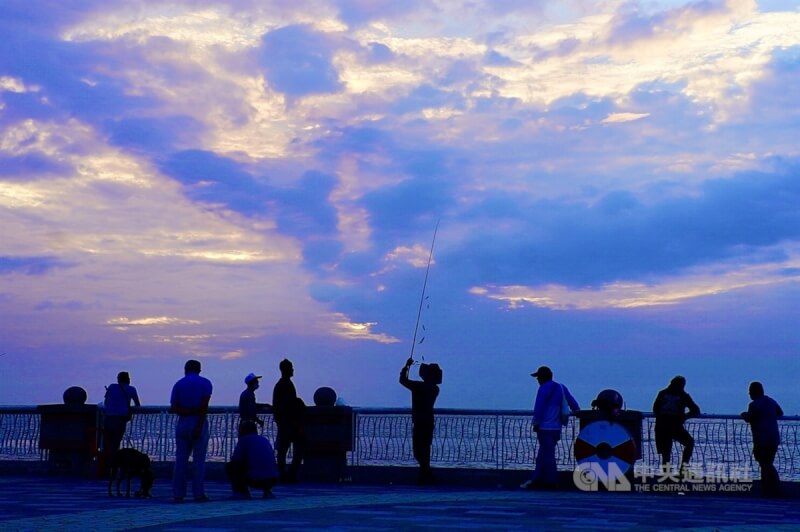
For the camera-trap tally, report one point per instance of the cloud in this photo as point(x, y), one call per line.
point(150, 321)
point(59, 305)
point(29, 265)
point(214, 179)
point(619, 238)
point(297, 61)
point(359, 12)
point(379, 53)
point(154, 135)
point(672, 291)
point(495, 58)
point(427, 96)
point(630, 24)
point(616, 118)
point(413, 203)
point(359, 331)
point(304, 210)
point(30, 165)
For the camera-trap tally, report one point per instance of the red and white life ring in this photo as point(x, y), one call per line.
point(604, 442)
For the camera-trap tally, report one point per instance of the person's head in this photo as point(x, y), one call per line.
point(756, 390)
point(123, 377)
point(192, 366)
point(543, 374)
point(247, 427)
point(286, 367)
point(678, 383)
point(431, 373)
point(252, 381)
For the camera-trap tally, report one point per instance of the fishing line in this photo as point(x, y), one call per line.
point(424, 287)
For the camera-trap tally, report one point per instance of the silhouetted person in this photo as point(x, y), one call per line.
point(117, 411)
point(248, 407)
point(423, 397)
point(609, 403)
point(252, 463)
point(287, 410)
point(190, 398)
point(762, 414)
point(670, 409)
point(547, 426)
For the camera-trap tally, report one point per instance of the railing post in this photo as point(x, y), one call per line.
point(499, 441)
point(733, 440)
point(161, 431)
point(354, 435)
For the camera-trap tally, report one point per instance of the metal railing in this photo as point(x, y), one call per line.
point(463, 439)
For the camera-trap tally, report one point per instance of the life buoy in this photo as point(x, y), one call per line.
point(604, 442)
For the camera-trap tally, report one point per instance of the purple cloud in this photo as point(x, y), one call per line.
point(29, 265)
point(298, 62)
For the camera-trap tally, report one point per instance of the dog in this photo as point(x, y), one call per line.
point(131, 463)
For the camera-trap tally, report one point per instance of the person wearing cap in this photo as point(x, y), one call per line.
point(670, 409)
point(117, 412)
point(288, 410)
point(423, 397)
point(547, 426)
point(762, 414)
point(248, 407)
point(189, 399)
point(252, 463)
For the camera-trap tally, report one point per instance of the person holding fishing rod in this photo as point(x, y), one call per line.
point(423, 393)
point(423, 397)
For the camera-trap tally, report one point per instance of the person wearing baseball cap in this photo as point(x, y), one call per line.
point(248, 407)
point(547, 424)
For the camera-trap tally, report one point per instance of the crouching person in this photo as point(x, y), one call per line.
point(252, 463)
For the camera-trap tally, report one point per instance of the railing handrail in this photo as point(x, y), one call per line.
point(464, 437)
point(226, 409)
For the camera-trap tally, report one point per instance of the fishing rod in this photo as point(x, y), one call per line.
point(424, 287)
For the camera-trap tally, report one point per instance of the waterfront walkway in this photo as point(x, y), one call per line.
point(55, 503)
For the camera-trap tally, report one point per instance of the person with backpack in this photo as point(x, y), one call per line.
point(670, 410)
point(117, 412)
point(547, 424)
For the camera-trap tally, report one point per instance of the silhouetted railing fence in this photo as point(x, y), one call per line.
point(478, 439)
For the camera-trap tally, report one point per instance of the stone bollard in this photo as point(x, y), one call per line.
point(69, 433)
point(329, 437)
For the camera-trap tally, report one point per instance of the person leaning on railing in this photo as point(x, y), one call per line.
point(670, 410)
point(117, 411)
point(762, 414)
point(548, 411)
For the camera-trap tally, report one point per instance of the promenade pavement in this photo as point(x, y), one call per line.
point(58, 503)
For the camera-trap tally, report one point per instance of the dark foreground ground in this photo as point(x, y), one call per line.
point(55, 503)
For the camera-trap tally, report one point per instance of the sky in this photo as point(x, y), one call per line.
point(616, 187)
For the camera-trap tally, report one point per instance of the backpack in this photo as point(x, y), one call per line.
point(671, 404)
point(566, 411)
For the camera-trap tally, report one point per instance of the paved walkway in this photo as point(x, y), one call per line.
point(52, 503)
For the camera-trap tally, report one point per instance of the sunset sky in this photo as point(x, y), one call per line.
point(617, 188)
